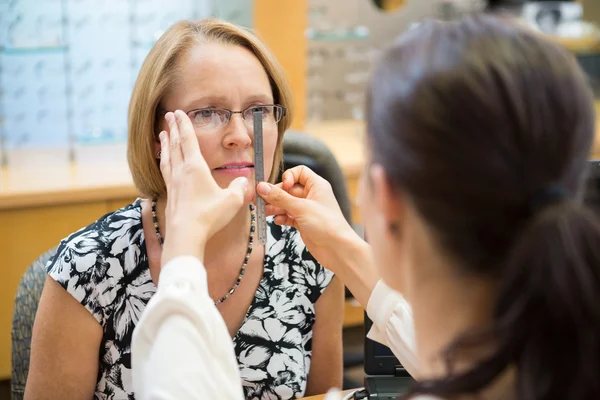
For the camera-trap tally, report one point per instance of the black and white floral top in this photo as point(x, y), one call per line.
point(105, 267)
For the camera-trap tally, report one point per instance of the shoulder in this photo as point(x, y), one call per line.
point(290, 259)
point(107, 237)
point(97, 255)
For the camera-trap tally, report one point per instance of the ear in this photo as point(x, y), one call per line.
point(389, 200)
point(162, 126)
point(156, 143)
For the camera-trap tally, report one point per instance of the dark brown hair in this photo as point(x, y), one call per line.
point(472, 120)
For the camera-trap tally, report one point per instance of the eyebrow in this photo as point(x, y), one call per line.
point(261, 98)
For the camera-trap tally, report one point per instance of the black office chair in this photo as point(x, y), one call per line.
point(303, 149)
point(26, 304)
point(590, 63)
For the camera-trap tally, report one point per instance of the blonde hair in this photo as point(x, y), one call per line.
point(159, 72)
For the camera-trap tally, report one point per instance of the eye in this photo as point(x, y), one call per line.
point(265, 110)
point(205, 117)
point(206, 113)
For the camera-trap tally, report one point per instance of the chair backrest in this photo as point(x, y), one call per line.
point(303, 149)
point(26, 304)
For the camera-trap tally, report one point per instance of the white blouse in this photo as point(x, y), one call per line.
point(182, 349)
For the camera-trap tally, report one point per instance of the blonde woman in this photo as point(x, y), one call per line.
point(281, 308)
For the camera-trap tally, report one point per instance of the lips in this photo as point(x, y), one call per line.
point(234, 166)
point(236, 169)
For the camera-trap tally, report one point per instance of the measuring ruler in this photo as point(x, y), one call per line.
point(259, 176)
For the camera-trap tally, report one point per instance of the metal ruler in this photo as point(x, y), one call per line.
point(259, 176)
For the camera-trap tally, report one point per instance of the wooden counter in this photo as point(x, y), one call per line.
point(44, 198)
point(588, 44)
point(47, 179)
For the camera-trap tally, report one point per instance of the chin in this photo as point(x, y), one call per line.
point(250, 192)
point(250, 197)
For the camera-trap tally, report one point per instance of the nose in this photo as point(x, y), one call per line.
point(237, 133)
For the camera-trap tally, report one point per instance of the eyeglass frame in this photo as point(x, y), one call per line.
point(230, 113)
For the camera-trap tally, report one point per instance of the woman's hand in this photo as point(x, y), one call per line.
point(306, 201)
point(197, 207)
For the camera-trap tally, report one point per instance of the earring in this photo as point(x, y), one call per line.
point(158, 153)
point(394, 228)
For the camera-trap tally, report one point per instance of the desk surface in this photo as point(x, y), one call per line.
point(586, 44)
point(43, 177)
point(46, 178)
point(322, 396)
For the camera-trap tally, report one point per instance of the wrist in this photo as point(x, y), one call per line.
point(175, 246)
point(349, 245)
point(356, 267)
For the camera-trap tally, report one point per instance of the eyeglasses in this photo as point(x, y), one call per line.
point(210, 119)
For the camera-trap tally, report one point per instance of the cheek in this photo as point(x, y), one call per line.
point(385, 255)
point(211, 149)
point(269, 146)
point(376, 233)
point(367, 211)
point(362, 197)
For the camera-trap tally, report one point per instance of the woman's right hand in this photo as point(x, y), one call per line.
point(306, 201)
point(196, 206)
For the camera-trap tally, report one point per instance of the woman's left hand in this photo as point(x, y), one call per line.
point(197, 207)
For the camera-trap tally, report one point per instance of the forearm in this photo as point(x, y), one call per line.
point(356, 268)
point(181, 347)
point(390, 312)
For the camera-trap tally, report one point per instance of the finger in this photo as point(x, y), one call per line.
point(174, 141)
point(272, 210)
point(165, 157)
point(297, 191)
point(300, 174)
point(279, 197)
point(234, 195)
point(190, 149)
point(287, 180)
point(285, 220)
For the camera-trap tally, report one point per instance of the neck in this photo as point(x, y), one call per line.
point(443, 311)
point(237, 231)
point(446, 302)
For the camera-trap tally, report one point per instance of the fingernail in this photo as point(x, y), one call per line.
point(161, 136)
point(245, 183)
point(263, 188)
point(169, 117)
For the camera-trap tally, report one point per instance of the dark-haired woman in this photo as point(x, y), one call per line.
point(478, 135)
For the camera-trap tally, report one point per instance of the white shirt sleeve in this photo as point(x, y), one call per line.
point(393, 325)
point(181, 347)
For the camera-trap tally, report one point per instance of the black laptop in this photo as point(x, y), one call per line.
point(385, 378)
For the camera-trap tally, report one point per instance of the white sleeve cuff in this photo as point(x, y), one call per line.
point(393, 325)
point(382, 303)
